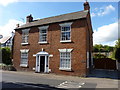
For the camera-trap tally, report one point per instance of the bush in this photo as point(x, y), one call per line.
point(6, 56)
point(7, 67)
point(97, 56)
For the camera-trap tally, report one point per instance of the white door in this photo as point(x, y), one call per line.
point(37, 63)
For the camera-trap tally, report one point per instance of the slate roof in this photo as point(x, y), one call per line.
point(5, 39)
point(54, 19)
point(1, 36)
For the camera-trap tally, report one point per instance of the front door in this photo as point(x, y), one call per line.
point(42, 63)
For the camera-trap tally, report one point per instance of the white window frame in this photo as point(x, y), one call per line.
point(43, 28)
point(64, 51)
point(22, 52)
point(25, 36)
point(62, 26)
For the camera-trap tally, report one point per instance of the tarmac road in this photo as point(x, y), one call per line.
point(53, 82)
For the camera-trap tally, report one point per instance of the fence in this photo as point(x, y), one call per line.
point(105, 63)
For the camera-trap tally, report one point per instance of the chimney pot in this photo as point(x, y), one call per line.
point(86, 6)
point(17, 25)
point(29, 19)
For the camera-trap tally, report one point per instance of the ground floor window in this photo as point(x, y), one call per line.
point(65, 59)
point(24, 58)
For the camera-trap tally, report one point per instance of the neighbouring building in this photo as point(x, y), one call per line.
point(7, 41)
point(1, 36)
point(61, 44)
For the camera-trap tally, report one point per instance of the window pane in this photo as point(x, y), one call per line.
point(65, 60)
point(24, 58)
point(43, 35)
point(66, 28)
point(65, 33)
point(25, 36)
point(43, 31)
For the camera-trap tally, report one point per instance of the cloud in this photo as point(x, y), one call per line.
point(111, 43)
point(6, 2)
point(93, 14)
point(102, 11)
point(9, 27)
point(106, 34)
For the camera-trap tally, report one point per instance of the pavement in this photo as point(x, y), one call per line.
point(11, 79)
point(100, 73)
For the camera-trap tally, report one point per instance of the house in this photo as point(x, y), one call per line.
point(1, 36)
point(7, 41)
point(61, 44)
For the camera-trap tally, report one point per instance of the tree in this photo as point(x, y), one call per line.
point(117, 50)
point(117, 54)
point(117, 44)
point(97, 56)
point(102, 48)
point(6, 56)
point(98, 47)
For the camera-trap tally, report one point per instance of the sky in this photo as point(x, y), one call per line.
point(104, 16)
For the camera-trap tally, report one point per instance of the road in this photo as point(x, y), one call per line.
point(52, 82)
point(20, 80)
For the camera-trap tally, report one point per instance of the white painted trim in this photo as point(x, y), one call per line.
point(24, 50)
point(66, 69)
point(91, 58)
point(23, 65)
point(65, 50)
point(24, 43)
point(43, 42)
point(34, 55)
point(65, 41)
point(87, 59)
point(51, 55)
point(66, 24)
point(42, 53)
point(43, 27)
point(33, 68)
point(46, 69)
point(25, 30)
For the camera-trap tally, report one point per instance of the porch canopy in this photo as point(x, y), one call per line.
point(42, 53)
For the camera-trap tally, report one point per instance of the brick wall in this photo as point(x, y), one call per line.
point(78, 44)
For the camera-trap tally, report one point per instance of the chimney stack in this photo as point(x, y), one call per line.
point(29, 19)
point(17, 25)
point(86, 6)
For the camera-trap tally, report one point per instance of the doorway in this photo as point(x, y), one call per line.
point(42, 63)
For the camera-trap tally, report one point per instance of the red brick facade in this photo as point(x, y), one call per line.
point(81, 43)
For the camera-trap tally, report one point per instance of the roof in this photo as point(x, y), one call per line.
point(1, 36)
point(4, 39)
point(54, 19)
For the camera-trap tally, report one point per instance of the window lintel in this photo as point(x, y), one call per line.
point(65, 50)
point(66, 24)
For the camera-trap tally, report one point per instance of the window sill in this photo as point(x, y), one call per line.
point(23, 65)
point(66, 41)
point(24, 43)
point(65, 69)
point(42, 42)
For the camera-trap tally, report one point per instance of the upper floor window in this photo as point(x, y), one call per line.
point(25, 35)
point(65, 32)
point(43, 34)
